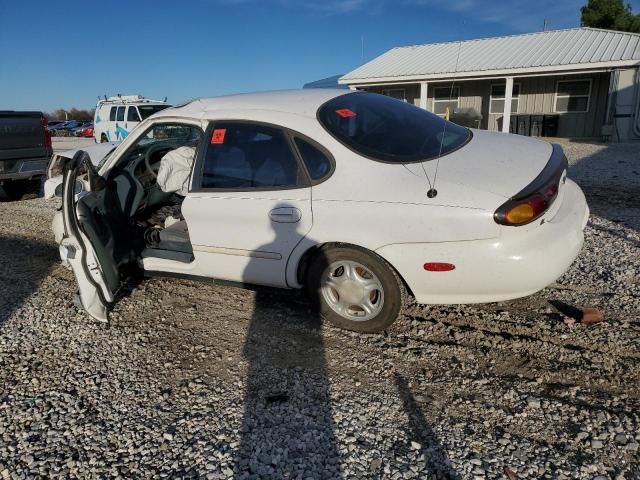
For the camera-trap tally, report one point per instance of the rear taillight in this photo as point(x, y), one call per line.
point(45, 128)
point(531, 203)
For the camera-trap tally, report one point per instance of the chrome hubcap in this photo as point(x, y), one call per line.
point(352, 290)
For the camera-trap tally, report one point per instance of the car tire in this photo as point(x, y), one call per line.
point(103, 138)
point(346, 304)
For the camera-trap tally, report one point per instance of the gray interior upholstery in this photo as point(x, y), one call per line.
point(174, 244)
point(129, 195)
point(176, 233)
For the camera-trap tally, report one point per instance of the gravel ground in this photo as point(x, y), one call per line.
point(193, 380)
point(60, 144)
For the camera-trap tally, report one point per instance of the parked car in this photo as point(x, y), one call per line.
point(25, 150)
point(117, 116)
point(331, 191)
point(88, 132)
point(79, 131)
point(65, 128)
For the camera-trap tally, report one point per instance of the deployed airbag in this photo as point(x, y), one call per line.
point(175, 170)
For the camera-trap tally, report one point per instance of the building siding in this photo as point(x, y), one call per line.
point(537, 95)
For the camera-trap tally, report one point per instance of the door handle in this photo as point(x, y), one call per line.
point(285, 215)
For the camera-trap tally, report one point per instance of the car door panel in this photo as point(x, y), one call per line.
point(96, 289)
point(240, 238)
point(249, 204)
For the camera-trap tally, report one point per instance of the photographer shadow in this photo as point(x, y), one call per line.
point(287, 428)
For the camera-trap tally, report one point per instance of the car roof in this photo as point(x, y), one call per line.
point(300, 102)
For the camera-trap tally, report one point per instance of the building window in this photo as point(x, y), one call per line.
point(573, 96)
point(445, 98)
point(399, 93)
point(496, 103)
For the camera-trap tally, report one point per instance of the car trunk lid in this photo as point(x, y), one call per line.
point(497, 163)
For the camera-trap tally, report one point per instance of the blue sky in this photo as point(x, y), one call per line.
point(54, 57)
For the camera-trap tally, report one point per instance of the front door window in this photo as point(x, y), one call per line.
point(161, 138)
point(250, 156)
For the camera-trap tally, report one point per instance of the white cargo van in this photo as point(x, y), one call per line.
point(115, 117)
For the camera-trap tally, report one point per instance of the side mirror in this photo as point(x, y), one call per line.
point(78, 188)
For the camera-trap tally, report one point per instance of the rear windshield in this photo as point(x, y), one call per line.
point(147, 110)
point(390, 130)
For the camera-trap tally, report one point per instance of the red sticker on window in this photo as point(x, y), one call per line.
point(218, 136)
point(346, 113)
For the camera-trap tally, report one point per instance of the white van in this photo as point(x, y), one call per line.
point(115, 117)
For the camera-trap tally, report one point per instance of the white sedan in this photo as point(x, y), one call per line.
point(359, 198)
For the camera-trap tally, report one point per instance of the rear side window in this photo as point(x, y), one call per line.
point(318, 164)
point(248, 156)
point(120, 114)
point(132, 115)
point(112, 114)
point(147, 110)
point(383, 128)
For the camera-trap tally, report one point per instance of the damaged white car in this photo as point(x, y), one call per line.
point(96, 153)
point(359, 198)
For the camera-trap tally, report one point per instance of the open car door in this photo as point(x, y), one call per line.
point(88, 245)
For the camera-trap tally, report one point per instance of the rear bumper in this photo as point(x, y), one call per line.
point(522, 261)
point(23, 169)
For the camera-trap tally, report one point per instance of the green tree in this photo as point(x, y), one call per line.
point(610, 14)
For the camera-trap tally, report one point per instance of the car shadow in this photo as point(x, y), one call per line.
point(287, 428)
point(426, 440)
point(26, 262)
point(29, 190)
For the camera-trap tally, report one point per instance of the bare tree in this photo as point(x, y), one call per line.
point(70, 114)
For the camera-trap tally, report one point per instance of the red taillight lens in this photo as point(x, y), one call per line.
point(47, 134)
point(537, 197)
point(527, 210)
point(521, 212)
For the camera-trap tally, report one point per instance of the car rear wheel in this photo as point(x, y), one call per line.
point(355, 289)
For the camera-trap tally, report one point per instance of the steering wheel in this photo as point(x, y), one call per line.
point(153, 169)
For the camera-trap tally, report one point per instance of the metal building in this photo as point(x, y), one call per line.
point(580, 82)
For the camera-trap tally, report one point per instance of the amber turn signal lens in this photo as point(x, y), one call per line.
point(520, 214)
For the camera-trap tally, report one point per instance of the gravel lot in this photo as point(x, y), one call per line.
point(193, 380)
point(61, 144)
